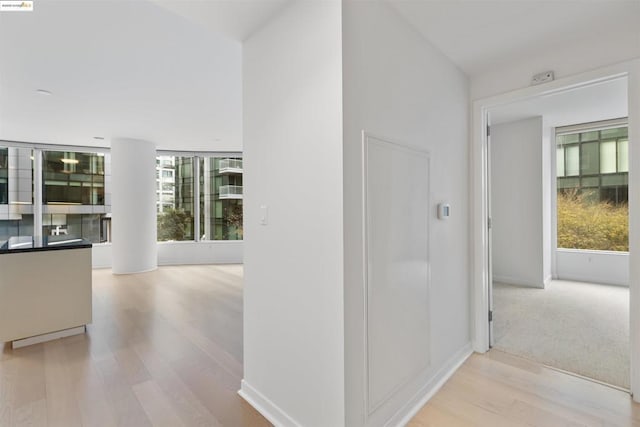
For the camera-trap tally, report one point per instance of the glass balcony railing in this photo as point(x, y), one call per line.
point(230, 166)
point(230, 192)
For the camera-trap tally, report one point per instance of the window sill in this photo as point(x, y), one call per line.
point(592, 251)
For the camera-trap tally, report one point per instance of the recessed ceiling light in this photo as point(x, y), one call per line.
point(43, 92)
point(70, 161)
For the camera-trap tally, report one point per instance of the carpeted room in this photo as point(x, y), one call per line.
point(582, 328)
point(570, 192)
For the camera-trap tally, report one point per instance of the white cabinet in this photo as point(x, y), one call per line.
point(44, 291)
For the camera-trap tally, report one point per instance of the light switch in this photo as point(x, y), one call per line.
point(444, 211)
point(264, 214)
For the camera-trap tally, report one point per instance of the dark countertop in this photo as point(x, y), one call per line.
point(49, 243)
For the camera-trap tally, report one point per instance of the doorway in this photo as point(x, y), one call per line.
point(567, 150)
point(547, 268)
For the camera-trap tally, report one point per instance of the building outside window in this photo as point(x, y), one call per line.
point(217, 195)
point(221, 196)
point(16, 192)
point(75, 198)
point(175, 198)
point(592, 168)
point(73, 178)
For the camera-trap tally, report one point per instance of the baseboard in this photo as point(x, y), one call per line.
point(516, 281)
point(591, 279)
point(48, 337)
point(411, 408)
point(279, 418)
point(267, 408)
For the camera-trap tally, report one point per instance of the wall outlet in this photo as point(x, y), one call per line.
point(540, 78)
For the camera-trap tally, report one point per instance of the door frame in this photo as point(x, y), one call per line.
point(480, 236)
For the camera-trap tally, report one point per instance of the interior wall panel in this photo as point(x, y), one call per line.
point(397, 266)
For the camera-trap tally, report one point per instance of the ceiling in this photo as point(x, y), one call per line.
point(479, 34)
point(602, 101)
point(234, 19)
point(118, 69)
point(170, 71)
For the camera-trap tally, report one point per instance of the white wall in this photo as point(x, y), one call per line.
point(293, 291)
point(517, 203)
point(181, 253)
point(609, 268)
point(565, 58)
point(208, 252)
point(101, 255)
point(398, 86)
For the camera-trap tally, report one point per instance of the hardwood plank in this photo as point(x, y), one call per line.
point(156, 405)
point(33, 414)
point(499, 389)
point(503, 398)
point(188, 407)
point(62, 408)
point(166, 348)
point(87, 384)
point(434, 416)
point(573, 392)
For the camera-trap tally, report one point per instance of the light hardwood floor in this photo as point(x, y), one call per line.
point(164, 349)
point(500, 390)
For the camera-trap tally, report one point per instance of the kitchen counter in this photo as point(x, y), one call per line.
point(45, 290)
point(28, 244)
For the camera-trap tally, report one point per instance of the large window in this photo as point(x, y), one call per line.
point(592, 168)
point(74, 196)
point(175, 198)
point(203, 187)
point(74, 203)
point(199, 197)
point(16, 192)
point(73, 178)
point(221, 198)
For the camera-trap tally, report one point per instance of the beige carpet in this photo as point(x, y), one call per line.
point(578, 327)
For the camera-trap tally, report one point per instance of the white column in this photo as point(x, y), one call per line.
point(133, 200)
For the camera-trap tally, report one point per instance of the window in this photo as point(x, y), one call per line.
point(221, 195)
point(16, 192)
point(216, 193)
point(74, 196)
point(88, 226)
point(592, 168)
point(73, 178)
point(76, 199)
point(175, 198)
